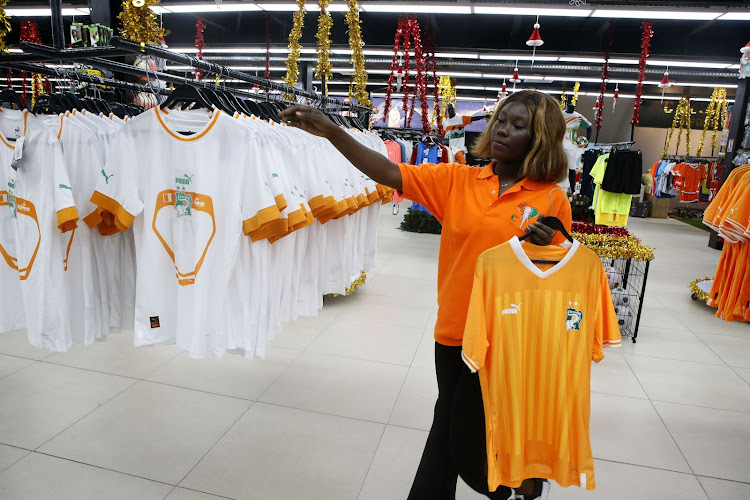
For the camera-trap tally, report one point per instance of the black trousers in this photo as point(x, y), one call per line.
point(457, 440)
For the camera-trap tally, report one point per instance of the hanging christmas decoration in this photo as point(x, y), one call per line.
point(615, 96)
point(10, 79)
point(421, 86)
point(646, 33)
point(431, 68)
point(407, 65)
point(503, 91)
point(267, 74)
point(665, 83)
point(564, 96)
point(358, 83)
point(200, 44)
point(574, 100)
point(682, 116)
point(139, 22)
point(292, 60)
point(515, 78)
point(716, 115)
point(4, 27)
point(603, 88)
point(744, 70)
point(535, 40)
point(447, 93)
point(596, 106)
point(323, 36)
point(30, 33)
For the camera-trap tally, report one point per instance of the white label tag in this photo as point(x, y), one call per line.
point(395, 209)
point(17, 153)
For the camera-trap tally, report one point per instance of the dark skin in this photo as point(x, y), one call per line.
point(511, 141)
point(511, 138)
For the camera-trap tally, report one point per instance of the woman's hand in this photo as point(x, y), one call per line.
point(308, 119)
point(540, 234)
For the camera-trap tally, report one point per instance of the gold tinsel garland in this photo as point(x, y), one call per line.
point(139, 22)
point(715, 114)
point(615, 247)
point(323, 66)
point(4, 27)
point(353, 287)
point(574, 100)
point(682, 115)
point(292, 61)
point(696, 290)
point(447, 93)
point(358, 83)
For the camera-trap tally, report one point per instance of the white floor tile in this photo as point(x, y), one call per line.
point(301, 333)
point(657, 316)
point(629, 430)
point(117, 355)
point(715, 442)
point(40, 401)
point(339, 386)
point(384, 309)
point(153, 431)
point(411, 266)
point(416, 403)
point(616, 481)
point(283, 453)
point(352, 338)
point(10, 455)
point(744, 373)
point(11, 364)
point(16, 343)
point(186, 494)
point(719, 489)
point(231, 375)
point(701, 319)
point(735, 351)
point(422, 291)
point(684, 382)
point(671, 344)
point(613, 375)
point(40, 476)
point(425, 356)
point(392, 472)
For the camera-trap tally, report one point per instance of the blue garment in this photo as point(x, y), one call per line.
point(427, 154)
point(417, 206)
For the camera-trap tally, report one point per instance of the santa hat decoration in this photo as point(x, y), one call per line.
point(614, 97)
point(665, 83)
point(535, 40)
point(515, 78)
point(503, 90)
point(596, 105)
point(744, 50)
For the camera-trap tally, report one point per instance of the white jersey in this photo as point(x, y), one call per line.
point(40, 201)
point(189, 199)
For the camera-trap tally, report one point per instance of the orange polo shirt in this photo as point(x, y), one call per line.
point(464, 200)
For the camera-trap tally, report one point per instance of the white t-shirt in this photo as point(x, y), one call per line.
point(189, 199)
point(573, 121)
point(40, 201)
point(454, 131)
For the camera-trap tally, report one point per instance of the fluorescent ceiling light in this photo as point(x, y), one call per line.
point(686, 64)
point(518, 57)
point(457, 55)
point(599, 60)
point(736, 16)
point(657, 14)
point(209, 7)
point(238, 68)
point(495, 75)
point(623, 61)
point(733, 66)
point(532, 11)
point(46, 12)
point(469, 87)
point(571, 79)
point(457, 74)
point(418, 8)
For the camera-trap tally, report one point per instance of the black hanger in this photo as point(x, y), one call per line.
point(11, 97)
point(269, 111)
point(552, 223)
point(119, 110)
point(253, 108)
point(47, 104)
point(218, 100)
point(184, 94)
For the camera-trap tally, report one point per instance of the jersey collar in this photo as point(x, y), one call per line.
point(488, 171)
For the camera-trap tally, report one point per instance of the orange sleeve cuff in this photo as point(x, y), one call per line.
point(67, 219)
point(122, 219)
point(260, 219)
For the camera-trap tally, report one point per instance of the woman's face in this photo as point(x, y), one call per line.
point(511, 137)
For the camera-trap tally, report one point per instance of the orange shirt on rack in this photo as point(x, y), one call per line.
point(464, 199)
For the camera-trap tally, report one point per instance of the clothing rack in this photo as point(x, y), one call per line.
point(611, 145)
point(690, 159)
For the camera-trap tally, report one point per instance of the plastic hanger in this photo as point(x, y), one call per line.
point(555, 224)
point(11, 97)
point(47, 104)
point(183, 94)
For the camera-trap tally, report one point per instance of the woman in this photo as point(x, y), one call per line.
point(479, 208)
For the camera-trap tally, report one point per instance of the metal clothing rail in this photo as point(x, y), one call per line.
point(81, 77)
point(218, 69)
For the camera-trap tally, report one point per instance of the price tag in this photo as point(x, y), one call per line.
point(17, 153)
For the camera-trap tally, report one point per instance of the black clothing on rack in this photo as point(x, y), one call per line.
point(624, 171)
point(588, 160)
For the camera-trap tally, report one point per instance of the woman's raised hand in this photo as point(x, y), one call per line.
point(308, 119)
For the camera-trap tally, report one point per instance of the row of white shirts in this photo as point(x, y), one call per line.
point(212, 229)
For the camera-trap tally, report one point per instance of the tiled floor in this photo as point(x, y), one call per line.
point(340, 408)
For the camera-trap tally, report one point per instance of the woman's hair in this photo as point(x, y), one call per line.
point(546, 160)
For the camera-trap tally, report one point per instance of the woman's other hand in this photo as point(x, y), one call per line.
point(539, 234)
point(308, 119)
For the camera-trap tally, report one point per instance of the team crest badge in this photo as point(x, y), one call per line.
point(525, 212)
point(573, 320)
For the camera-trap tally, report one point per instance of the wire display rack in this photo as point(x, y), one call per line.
point(627, 282)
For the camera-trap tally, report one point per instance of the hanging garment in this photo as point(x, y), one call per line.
point(623, 173)
point(532, 334)
point(454, 131)
point(610, 209)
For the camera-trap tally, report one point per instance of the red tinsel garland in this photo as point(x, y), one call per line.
point(200, 43)
point(431, 67)
point(29, 33)
point(405, 86)
point(394, 68)
point(605, 77)
point(421, 79)
point(591, 228)
point(267, 74)
point(646, 33)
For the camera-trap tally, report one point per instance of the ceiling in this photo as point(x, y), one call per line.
point(572, 50)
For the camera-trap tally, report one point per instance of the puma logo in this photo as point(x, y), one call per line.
point(189, 177)
point(106, 177)
point(513, 309)
point(63, 186)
